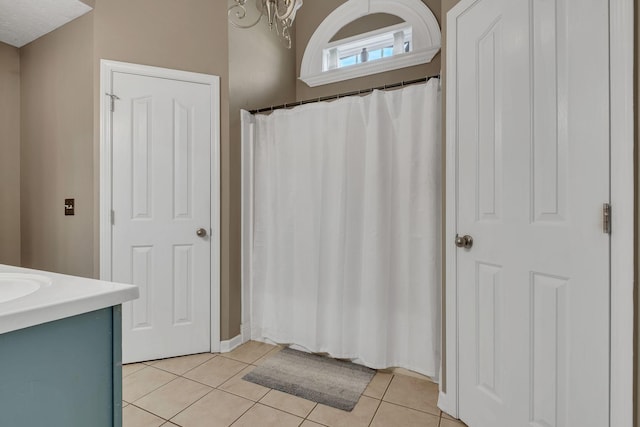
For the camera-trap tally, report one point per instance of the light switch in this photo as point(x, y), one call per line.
point(69, 207)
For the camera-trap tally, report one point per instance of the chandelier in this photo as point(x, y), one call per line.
point(280, 15)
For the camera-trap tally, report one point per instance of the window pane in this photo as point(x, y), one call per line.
point(378, 46)
point(375, 54)
point(349, 60)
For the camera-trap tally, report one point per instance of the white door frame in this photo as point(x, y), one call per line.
point(107, 68)
point(622, 203)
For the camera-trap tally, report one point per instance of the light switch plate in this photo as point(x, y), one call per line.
point(69, 207)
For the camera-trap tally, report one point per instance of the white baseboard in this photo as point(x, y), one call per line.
point(245, 332)
point(229, 345)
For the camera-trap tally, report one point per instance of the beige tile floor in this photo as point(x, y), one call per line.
point(207, 390)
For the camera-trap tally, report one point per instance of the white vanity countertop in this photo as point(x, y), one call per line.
point(58, 297)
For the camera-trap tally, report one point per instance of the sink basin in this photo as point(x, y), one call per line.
point(18, 285)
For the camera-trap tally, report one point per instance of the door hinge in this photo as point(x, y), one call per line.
point(606, 218)
point(113, 101)
point(113, 217)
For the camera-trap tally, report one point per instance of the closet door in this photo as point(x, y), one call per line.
point(529, 83)
point(162, 214)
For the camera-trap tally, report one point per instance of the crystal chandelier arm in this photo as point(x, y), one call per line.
point(237, 12)
point(286, 36)
point(280, 15)
point(290, 11)
point(283, 31)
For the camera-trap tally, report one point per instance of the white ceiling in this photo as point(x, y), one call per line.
point(23, 21)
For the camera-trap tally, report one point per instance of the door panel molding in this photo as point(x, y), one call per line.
point(107, 69)
point(622, 200)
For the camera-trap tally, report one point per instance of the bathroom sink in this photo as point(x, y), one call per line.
point(18, 285)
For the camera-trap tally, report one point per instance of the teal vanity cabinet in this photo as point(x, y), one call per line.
point(64, 373)
point(60, 349)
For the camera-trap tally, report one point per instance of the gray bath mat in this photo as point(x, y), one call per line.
point(320, 379)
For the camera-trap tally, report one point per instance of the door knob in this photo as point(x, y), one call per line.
point(464, 241)
point(201, 232)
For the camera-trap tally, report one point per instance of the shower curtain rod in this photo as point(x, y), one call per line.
point(342, 95)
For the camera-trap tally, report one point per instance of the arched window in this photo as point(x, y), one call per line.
point(415, 40)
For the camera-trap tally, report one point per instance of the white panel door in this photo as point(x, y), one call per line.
point(531, 91)
point(161, 198)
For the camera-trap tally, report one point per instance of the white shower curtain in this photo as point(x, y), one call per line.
point(346, 248)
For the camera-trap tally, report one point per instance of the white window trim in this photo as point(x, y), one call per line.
point(426, 40)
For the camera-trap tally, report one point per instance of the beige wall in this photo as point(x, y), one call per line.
point(262, 72)
point(57, 149)
point(309, 18)
point(9, 155)
point(446, 7)
point(60, 119)
point(186, 35)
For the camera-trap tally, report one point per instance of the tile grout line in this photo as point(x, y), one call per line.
point(212, 388)
point(149, 412)
point(393, 376)
point(246, 398)
point(191, 369)
point(409, 407)
point(189, 406)
point(241, 415)
point(128, 375)
point(282, 410)
point(201, 383)
point(215, 355)
point(380, 400)
point(273, 347)
point(375, 413)
point(242, 361)
point(157, 388)
point(160, 416)
point(439, 414)
point(209, 385)
point(310, 412)
point(209, 392)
